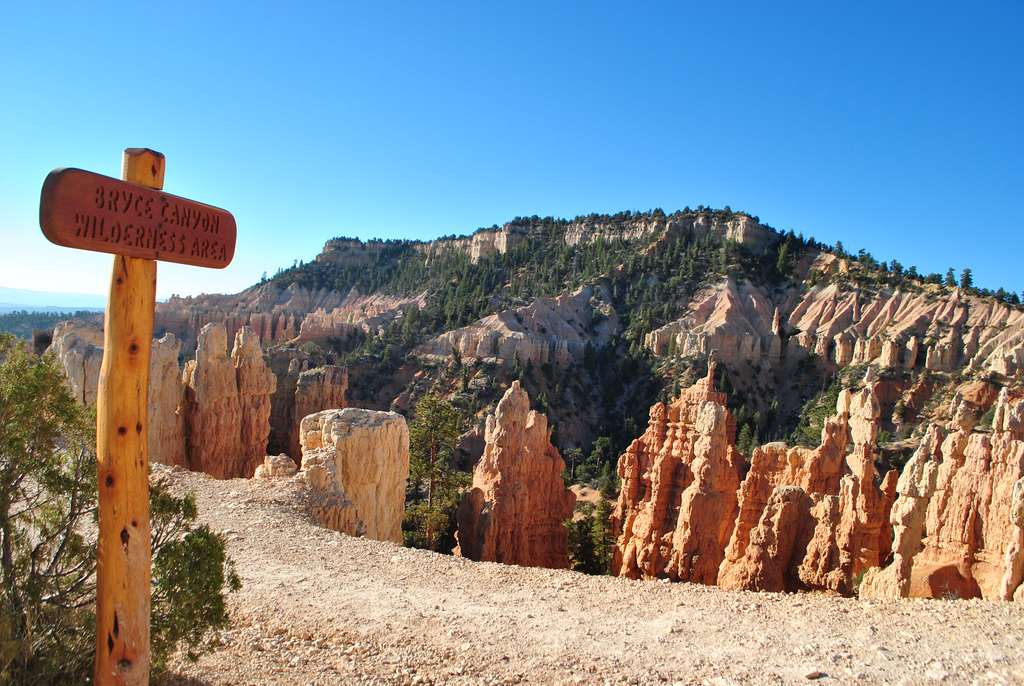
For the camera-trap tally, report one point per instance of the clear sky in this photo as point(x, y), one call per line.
point(893, 127)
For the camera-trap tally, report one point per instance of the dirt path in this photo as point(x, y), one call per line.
point(320, 607)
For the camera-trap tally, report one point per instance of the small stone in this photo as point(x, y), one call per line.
point(813, 674)
point(936, 672)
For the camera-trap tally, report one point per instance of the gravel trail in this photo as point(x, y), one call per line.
point(320, 607)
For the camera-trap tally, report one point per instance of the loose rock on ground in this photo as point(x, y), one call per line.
point(321, 607)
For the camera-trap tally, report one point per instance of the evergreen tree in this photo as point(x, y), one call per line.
point(601, 533)
point(744, 441)
point(966, 279)
point(435, 486)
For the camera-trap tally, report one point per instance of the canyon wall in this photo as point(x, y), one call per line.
point(280, 315)
point(959, 517)
point(515, 509)
point(548, 330)
point(217, 414)
point(799, 519)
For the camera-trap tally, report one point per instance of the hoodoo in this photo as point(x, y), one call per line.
point(515, 509)
point(959, 518)
point(678, 505)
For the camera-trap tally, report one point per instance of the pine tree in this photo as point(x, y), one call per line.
point(435, 486)
point(601, 533)
point(966, 279)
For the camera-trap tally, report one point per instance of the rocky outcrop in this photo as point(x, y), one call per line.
point(515, 510)
point(959, 530)
point(227, 404)
point(212, 413)
point(814, 519)
point(942, 332)
point(301, 391)
point(736, 320)
point(482, 243)
point(166, 392)
point(357, 463)
point(549, 330)
point(78, 347)
point(255, 384)
point(287, 364)
point(739, 228)
point(322, 388)
point(677, 507)
point(801, 519)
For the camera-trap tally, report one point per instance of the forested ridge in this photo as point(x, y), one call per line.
point(651, 264)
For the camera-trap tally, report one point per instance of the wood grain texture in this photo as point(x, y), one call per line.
point(124, 546)
point(88, 211)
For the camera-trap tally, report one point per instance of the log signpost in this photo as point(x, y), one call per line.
point(137, 222)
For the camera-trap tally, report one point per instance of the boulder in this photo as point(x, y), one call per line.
point(276, 467)
point(356, 462)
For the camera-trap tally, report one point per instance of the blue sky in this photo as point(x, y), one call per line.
point(893, 127)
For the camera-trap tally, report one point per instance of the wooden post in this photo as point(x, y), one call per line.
point(134, 219)
point(122, 416)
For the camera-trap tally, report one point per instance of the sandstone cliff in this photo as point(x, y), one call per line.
point(799, 519)
point(227, 404)
point(742, 229)
point(677, 507)
point(736, 320)
point(548, 330)
point(814, 519)
point(166, 394)
point(515, 510)
point(322, 388)
point(959, 530)
point(256, 383)
point(79, 348)
point(213, 416)
point(357, 463)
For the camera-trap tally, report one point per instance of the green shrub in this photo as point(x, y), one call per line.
point(48, 538)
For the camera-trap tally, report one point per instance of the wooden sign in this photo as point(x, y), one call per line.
point(80, 209)
point(134, 219)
